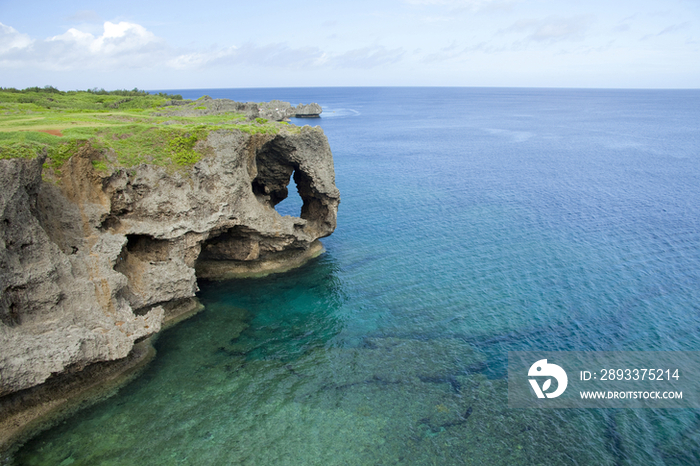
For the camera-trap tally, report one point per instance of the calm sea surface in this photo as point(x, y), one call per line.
point(473, 222)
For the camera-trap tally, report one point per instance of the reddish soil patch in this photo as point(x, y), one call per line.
point(54, 132)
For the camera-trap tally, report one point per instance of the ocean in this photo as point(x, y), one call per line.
point(473, 222)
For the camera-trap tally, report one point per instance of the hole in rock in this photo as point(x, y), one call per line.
point(146, 248)
point(279, 183)
point(292, 204)
point(10, 317)
point(136, 261)
point(237, 243)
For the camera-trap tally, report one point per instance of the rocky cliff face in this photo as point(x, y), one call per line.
point(93, 263)
point(273, 110)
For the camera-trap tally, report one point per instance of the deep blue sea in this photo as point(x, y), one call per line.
point(473, 222)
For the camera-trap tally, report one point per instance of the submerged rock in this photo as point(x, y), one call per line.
point(92, 264)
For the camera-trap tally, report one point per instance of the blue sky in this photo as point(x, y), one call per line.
point(270, 43)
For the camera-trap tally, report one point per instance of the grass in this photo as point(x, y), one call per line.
point(128, 127)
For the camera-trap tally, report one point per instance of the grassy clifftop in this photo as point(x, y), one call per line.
point(129, 127)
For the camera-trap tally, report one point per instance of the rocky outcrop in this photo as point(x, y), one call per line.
point(91, 264)
point(308, 111)
point(275, 110)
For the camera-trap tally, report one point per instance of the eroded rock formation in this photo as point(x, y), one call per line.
point(91, 264)
point(274, 110)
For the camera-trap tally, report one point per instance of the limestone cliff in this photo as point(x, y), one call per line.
point(273, 110)
point(91, 263)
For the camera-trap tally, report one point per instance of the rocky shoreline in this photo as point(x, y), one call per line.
point(25, 413)
point(96, 261)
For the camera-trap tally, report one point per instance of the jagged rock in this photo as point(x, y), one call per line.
point(58, 308)
point(308, 111)
point(275, 110)
point(87, 266)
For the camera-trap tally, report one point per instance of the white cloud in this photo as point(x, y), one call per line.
point(548, 32)
point(473, 5)
point(625, 24)
point(122, 37)
point(198, 59)
point(270, 55)
point(85, 16)
point(274, 56)
point(125, 45)
point(672, 29)
point(73, 35)
point(129, 45)
point(117, 39)
point(552, 28)
point(453, 53)
point(675, 28)
point(454, 3)
point(11, 39)
point(367, 57)
point(282, 56)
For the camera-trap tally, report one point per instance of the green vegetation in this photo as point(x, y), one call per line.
point(99, 165)
point(52, 90)
point(128, 128)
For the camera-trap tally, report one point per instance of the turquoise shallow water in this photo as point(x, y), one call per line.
point(473, 222)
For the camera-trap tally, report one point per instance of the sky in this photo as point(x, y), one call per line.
point(269, 43)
